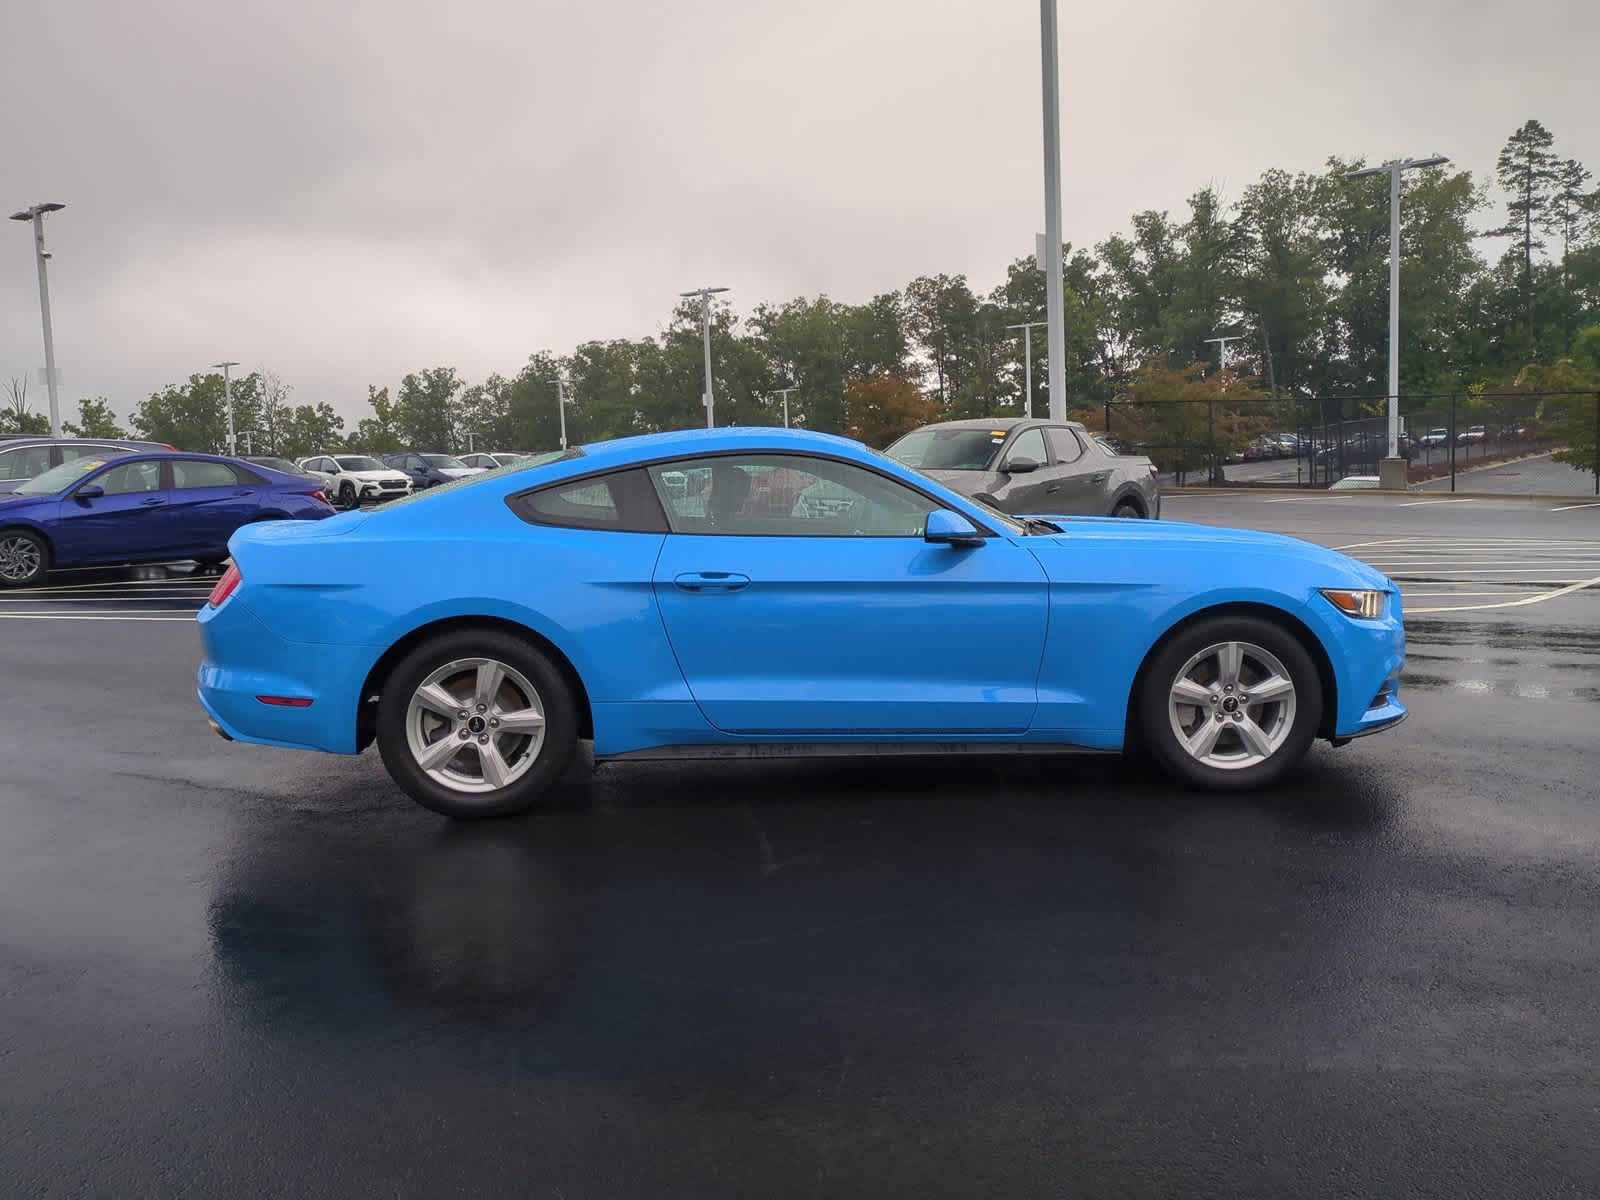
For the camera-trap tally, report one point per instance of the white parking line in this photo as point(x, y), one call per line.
point(1425, 503)
point(1539, 599)
point(95, 616)
point(195, 585)
point(1570, 507)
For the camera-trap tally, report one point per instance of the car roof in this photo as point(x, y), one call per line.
point(1007, 423)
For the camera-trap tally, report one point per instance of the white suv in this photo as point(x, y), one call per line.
point(353, 478)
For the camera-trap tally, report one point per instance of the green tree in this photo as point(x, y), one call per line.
point(425, 411)
point(1573, 419)
point(95, 420)
point(880, 408)
point(1528, 171)
point(14, 414)
point(379, 433)
point(309, 429)
point(188, 416)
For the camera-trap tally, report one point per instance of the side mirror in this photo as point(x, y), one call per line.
point(1020, 466)
point(947, 528)
point(89, 491)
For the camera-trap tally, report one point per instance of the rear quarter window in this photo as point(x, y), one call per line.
point(622, 501)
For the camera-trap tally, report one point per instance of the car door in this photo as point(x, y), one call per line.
point(1079, 476)
point(1027, 491)
point(206, 502)
point(800, 599)
point(125, 523)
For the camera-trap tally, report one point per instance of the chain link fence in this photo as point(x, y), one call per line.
point(1317, 442)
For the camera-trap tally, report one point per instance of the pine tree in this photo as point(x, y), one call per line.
point(1527, 170)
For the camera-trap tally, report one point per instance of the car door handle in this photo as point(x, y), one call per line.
point(1052, 489)
point(1097, 478)
point(711, 581)
point(152, 502)
point(243, 492)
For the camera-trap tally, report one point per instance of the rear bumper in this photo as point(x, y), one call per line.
point(244, 660)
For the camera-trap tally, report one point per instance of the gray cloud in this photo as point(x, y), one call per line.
point(344, 192)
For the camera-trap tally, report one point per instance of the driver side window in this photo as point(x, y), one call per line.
point(130, 478)
point(1029, 444)
point(783, 495)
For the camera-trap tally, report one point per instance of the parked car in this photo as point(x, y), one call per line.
point(1434, 438)
point(1021, 465)
point(143, 507)
point(284, 466)
point(429, 470)
point(1474, 433)
point(659, 625)
point(489, 462)
point(358, 477)
point(1353, 483)
point(24, 457)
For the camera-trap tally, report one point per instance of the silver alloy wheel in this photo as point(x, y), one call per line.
point(19, 558)
point(1232, 706)
point(475, 725)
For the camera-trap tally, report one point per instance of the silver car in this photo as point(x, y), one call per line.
point(1024, 465)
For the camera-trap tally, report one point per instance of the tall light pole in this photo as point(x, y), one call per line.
point(1027, 363)
point(1054, 312)
point(705, 295)
point(227, 402)
point(36, 214)
point(784, 392)
point(561, 406)
point(1392, 470)
point(1222, 349)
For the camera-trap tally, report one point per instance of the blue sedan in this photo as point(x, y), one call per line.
point(142, 508)
point(761, 591)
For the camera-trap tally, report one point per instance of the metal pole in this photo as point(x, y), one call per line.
point(1597, 443)
point(1452, 443)
point(561, 408)
point(784, 392)
point(44, 312)
point(1027, 362)
point(705, 326)
point(227, 403)
point(1394, 310)
point(1054, 308)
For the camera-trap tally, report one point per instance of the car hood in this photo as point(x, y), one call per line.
point(962, 481)
point(1189, 538)
point(377, 476)
point(15, 504)
point(459, 472)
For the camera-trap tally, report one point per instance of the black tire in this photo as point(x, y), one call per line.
point(554, 755)
point(347, 495)
point(25, 544)
point(1155, 723)
point(1127, 508)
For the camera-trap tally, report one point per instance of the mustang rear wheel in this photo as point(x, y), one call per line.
point(476, 724)
point(24, 558)
point(1230, 703)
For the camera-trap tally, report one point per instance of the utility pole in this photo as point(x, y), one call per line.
point(35, 214)
point(561, 407)
point(784, 392)
point(1222, 389)
point(1054, 309)
point(1027, 363)
point(705, 295)
point(1392, 470)
point(227, 402)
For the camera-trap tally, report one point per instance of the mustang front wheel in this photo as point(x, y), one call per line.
point(1230, 703)
point(476, 724)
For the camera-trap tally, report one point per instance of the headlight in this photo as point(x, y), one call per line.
point(1352, 603)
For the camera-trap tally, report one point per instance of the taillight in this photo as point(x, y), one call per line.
point(230, 580)
point(319, 494)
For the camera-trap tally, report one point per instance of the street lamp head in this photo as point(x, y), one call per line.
point(1362, 174)
point(705, 291)
point(28, 214)
point(1438, 160)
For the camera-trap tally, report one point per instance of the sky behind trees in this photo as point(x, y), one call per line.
point(349, 192)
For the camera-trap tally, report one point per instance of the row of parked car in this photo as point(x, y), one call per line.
point(82, 502)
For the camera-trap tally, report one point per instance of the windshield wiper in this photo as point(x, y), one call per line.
point(1039, 525)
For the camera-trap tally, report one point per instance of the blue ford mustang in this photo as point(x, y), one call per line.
point(123, 508)
point(762, 591)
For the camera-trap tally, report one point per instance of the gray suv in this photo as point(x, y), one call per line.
point(1028, 466)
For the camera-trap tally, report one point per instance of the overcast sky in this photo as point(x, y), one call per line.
point(346, 190)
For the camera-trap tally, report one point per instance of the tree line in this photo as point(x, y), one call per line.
point(1295, 268)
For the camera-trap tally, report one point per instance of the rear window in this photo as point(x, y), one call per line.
point(622, 501)
point(947, 449)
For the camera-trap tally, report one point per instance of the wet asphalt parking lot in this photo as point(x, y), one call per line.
point(227, 970)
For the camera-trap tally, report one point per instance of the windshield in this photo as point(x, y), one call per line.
point(444, 462)
point(505, 460)
point(60, 477)
point(359, 462)
point(947, 449)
